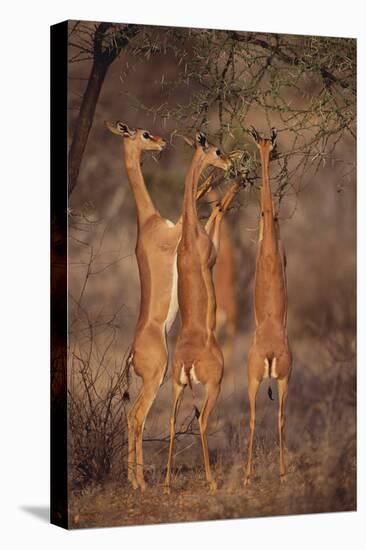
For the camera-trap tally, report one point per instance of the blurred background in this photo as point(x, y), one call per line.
point(172, 81)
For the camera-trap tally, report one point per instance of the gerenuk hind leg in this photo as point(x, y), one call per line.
point(177, 394)
point(212, 392)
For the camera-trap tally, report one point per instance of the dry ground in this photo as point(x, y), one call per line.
point(321, 452)
point(302, 492)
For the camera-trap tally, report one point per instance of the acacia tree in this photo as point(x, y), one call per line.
point(303, 85)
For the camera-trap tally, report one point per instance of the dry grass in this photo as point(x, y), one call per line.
point(321, 454)
point(313, 484)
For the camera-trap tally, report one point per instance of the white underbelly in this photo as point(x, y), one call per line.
point(173, 306)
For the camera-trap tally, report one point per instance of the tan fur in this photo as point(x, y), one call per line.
point(156, 253)
point(196, 342)
point(224, 278)
point(270, 353)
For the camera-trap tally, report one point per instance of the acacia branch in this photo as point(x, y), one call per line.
point(328, 77)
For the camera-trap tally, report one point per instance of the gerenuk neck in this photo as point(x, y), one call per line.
point(144, 205)
point(195, 287)
point(269, 240)
point(190, 219)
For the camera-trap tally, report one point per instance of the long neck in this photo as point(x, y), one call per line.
point(215, 220)
point(144, 204)
point(190, 191)
point(202, 190)
point(268, 226)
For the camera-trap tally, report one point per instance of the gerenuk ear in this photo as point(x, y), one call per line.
point(273, 137)
point(125, 130)
point(253, 132)
point(201, 140)
point(120, 129)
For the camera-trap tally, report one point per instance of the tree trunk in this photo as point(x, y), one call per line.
point(85, 120)
point(103, 58)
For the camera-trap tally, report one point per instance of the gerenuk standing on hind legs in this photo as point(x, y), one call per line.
point(156, 254)
point(197, 356)
point(269, 355)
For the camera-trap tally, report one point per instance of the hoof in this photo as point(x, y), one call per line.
point(282, 478)
point(134, 484)
point(247, 481)
point(142, 485)
point(213, 486)
point(166, 489)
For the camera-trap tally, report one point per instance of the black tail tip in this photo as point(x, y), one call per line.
point(196, 412)
point(126, 396)
point(270, 395)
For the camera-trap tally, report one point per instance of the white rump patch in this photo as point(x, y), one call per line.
point(270, 372)
point(273, 368)
point(183, 379)
point(193, 375)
